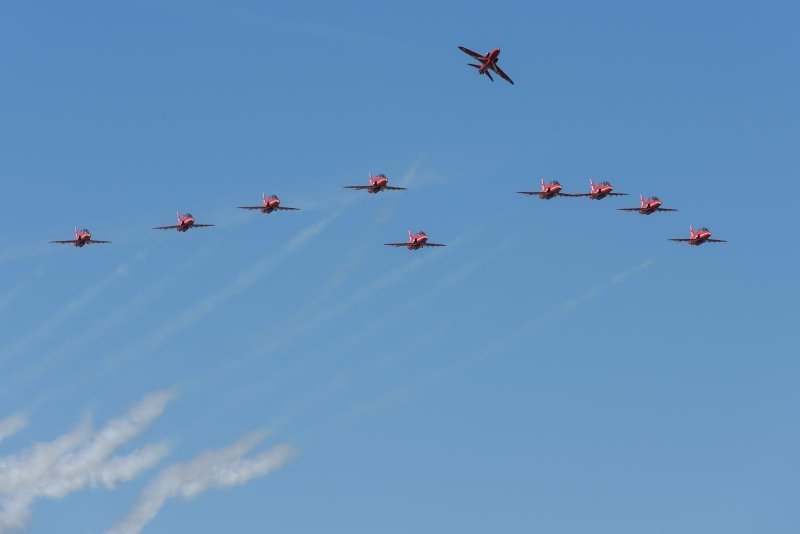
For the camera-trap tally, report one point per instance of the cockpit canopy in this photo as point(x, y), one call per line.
point(555, 182)
point(655, 198)
point(422, 233)
point(604, 182)
point(703, 229)
point(187, 215)
point(85, 231)
point(273, 197)
point(381, 175)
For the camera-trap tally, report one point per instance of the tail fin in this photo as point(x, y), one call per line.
point(474, 65)
point(641, 199)
point(76, 231)
point(410, 233)
point(264, 198)
point(591, 184)
point(542, 183)
point(370, 177)
point(691, 230)
point(179, 214)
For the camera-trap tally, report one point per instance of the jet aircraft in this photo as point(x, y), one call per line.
point(698, 237)
point(82, 237)
point(376, 185)
point(651, 205)
point(268, 205)
point(549, 190)
point(185, 222)
point(415, 241)
point(598, 191)
point(488, 63)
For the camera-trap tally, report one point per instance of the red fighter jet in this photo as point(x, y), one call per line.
point(82, 237)
point(651, 205)
point(376, 185)
point(599, 191)
point(416, 241)
point(696, 238)
point(549, 190)
point(268, 205)
point(184, 223)
point(488, 63)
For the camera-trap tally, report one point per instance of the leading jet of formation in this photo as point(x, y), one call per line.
point(599, 191)
point(268, 205)
point(185, 222)
point(416, 241)
point(698, 237)
point(376, 185)
point(488, 63)
point(82, 237)
point(549, 190)
point(650, 205)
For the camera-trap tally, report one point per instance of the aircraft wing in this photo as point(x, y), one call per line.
point(680, 239)
point(173, 227)
point(195, 225)
point(628, 209)
point(398, 244)
point(96, 242)
point(287, 208)
point(471, 53)
point(616, 194)
point(393, 188)
point(432, 245)
point(249, 207)
point(665, 209)
point(356, 186)
point(715, 241)
point(502, 74)
point(528, 192)
point(64, 242)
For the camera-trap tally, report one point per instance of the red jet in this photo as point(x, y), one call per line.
point(184, 223)
point(488, 63)
point(696, 238)
point(82, 237)
point(268, 205)
point(549, 190)
point(376, 185)
point(651, 205)
point(599, 191)
point(416, 241)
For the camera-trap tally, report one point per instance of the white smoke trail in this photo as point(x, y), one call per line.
point(223, 468)
point(11, 425)
point(77, 459)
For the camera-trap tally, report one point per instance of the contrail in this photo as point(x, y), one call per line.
point(12, 425)
point(18, 289)
point(88, 293)
point(76, 459)
point(218, 469)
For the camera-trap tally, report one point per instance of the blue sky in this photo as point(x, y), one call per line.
point(559, 367)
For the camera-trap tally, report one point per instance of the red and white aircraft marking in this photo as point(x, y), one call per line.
point(82, 237)
point(651, 205)
point(376, 185)
point(549, 190)
point(268, 205)
point(698, 237)
point(416, 241)
point(488, 63)
point(599, 191)
point(184, 223)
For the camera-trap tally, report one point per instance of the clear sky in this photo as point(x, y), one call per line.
point(560, 367)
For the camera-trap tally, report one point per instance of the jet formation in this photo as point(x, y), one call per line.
point(486, 64)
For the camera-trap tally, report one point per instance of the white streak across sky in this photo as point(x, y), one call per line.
point(223, 468)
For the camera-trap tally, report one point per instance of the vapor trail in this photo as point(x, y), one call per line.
point(218, 469)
